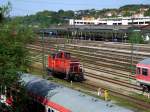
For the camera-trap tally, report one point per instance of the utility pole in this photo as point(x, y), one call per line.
point(134, 40)
point(43, 54)
point(132, 47)
point(74, 28)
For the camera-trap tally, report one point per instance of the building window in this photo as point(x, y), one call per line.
point(141, 22)
point(135, 22)
point(144, 71)
point(130, 23)
point(138, 70)
point(147, 22)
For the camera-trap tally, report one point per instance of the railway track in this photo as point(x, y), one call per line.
point(107, 64)
point(105, 77)
point(114, 81)
point(138, 102)
point(127, 46)
point(86, 58)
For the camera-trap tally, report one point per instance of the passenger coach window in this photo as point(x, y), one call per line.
point(138, 71)
point(50, 110)
point(144, 71)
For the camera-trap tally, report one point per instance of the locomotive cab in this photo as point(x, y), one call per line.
point(143, 73)
point(62, 63)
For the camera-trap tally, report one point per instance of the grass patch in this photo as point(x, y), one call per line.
point(141, 97)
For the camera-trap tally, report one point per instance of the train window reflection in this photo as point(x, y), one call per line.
point(144, 71)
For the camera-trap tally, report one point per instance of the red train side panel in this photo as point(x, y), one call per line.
point(143, 72)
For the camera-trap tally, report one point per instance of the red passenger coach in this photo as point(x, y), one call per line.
point(143, 73)
point(63, 64)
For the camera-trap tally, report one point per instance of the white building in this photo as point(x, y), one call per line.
point(113, 21)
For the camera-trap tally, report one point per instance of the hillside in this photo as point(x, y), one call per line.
point(47, 18)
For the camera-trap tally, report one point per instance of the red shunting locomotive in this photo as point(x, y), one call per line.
point(63, 64)
point(143, 73)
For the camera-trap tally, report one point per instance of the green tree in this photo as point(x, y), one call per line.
point(135, 37)
point(147, 13)
point(1, 15)
point(4, 11)
point(14, 57)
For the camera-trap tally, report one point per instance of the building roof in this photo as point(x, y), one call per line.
point(145, 61)
point(68, 98)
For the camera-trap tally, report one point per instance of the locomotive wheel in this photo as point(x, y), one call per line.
point(68, 77)
point(50, 72)
point(76, 78)
point(81, 77)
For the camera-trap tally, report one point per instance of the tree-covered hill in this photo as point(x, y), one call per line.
point(47, 18)
point(134, 7)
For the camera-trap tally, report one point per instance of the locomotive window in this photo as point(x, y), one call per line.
point(67, 55)
point(59, 55)
point(53, 56)
point(138, 70)
point(144, 71)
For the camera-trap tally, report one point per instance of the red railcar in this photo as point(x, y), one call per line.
point(61, 63)
point(143, 73)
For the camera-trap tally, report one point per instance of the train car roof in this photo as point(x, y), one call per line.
point(145, 61)
point(68, 98)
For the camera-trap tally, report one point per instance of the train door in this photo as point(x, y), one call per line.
point(58, 62)
point(51, 62)
point(66, 57)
